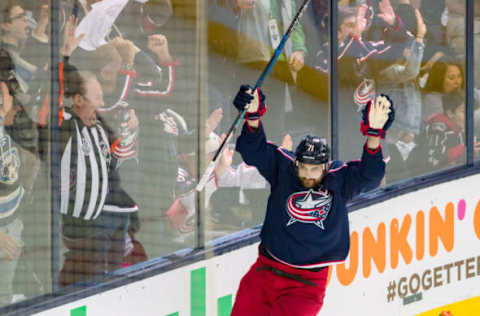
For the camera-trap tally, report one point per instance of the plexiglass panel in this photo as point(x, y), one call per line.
point(25, 217)
point(412, 51)
point(242, 36)
point(125, 139)
point(98, 170)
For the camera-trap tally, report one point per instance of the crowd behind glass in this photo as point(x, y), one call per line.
point(127, 129)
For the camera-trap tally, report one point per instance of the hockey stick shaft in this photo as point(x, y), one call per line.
point(258, 84)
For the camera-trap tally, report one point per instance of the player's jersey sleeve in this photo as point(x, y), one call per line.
point(256, 151)
point(364, 175)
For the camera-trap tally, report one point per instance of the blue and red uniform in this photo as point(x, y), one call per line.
point(305, 230)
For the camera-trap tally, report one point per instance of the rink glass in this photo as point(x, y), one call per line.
point(185, 105)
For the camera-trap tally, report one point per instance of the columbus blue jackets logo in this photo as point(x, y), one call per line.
point(9, 161)
point(311, 207)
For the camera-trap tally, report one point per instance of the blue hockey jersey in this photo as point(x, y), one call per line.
point(307, 228)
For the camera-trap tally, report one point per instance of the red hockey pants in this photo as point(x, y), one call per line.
point(271, 288)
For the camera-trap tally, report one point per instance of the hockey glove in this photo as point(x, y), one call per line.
point(377, 116)
point(255, 102)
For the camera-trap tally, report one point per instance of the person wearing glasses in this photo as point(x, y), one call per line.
point(11, 194)
point(18, 148)
point(29, 52)
point(20, 40)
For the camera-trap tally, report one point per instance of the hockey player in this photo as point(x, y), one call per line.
point(306, 224)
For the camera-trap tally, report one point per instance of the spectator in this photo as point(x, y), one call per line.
point(142, 18)
point(347, 17)
point(17, 39)
point(181, 214)
point(260, 27)
point(30, 77)
point(455, 32)
point(441, 143)
point(399, 82)
point(446, 132)
point(455, 28)
point(130, 79)
point(445, 77)
point(88, 185)
point(359, 61)
point(12, 192)
point(434, 14)
point(321, 16)
point(20, 140)
point(255, 42)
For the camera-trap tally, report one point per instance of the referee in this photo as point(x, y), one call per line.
point(95, 210)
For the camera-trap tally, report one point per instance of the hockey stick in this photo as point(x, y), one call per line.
point(258, 84)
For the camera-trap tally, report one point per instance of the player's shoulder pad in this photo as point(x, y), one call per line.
point(286, 153)
point(336, 165)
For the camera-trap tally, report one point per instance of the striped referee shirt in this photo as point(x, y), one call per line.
point(84, 169)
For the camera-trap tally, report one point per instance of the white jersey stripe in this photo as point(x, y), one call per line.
point(118, 209)
point(93, 175)
point(84, 170)
point(81, 176)
point(65, 178)
point(11, 202)
point(103, 166)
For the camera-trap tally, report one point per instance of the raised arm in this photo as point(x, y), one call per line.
point(413, 59)
point(367, 174)
point(252, 143)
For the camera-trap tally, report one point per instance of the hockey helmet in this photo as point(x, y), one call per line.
point(312, 150)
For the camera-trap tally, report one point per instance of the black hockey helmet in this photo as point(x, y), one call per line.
point(313, 150)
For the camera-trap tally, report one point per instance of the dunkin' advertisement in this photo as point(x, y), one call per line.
point(416, 254)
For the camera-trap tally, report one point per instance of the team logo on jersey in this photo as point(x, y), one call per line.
point(86, 146)
point(9, 161)
point(105, 149)
point(311, 207)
